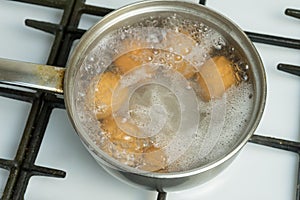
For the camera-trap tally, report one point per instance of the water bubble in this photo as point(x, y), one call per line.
point(92, 59)
point(115, 50)
point(178, 58)
point(81, 94)
point(188, 87)
point(155, 23)
point(162, 60)
point(124, 120)
point(245, 77)
point(102, 63)
point(187, 50)
point(169, 65)
point(87, 67)
point(218, 43)
point(155, 51)
point(164, 22)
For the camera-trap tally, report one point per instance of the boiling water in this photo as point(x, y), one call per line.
point(157, 118)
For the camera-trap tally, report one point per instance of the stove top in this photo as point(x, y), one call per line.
point(41, 157)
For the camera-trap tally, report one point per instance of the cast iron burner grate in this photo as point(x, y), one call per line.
point(23, 167)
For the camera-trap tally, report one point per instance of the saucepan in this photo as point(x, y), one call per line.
point(163, 94)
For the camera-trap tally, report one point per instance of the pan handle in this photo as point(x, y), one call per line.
point(30, 75)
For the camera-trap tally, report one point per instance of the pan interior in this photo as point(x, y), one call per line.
point(140, 93)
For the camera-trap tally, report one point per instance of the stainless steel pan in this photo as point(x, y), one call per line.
point(72, 81)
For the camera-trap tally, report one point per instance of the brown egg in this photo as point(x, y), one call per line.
point(153, 158)
point(215, 77)
point(104, 92)
point(137, 54)
point(119, 137)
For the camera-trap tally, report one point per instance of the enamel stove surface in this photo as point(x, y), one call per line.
point(259, 172)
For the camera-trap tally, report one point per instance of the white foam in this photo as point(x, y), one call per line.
point(238, 110)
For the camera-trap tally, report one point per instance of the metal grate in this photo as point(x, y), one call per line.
point(23, 167)
point(286, 145)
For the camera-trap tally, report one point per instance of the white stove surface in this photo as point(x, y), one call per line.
point(257, 173)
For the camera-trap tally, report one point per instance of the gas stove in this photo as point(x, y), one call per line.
point(41, 157)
